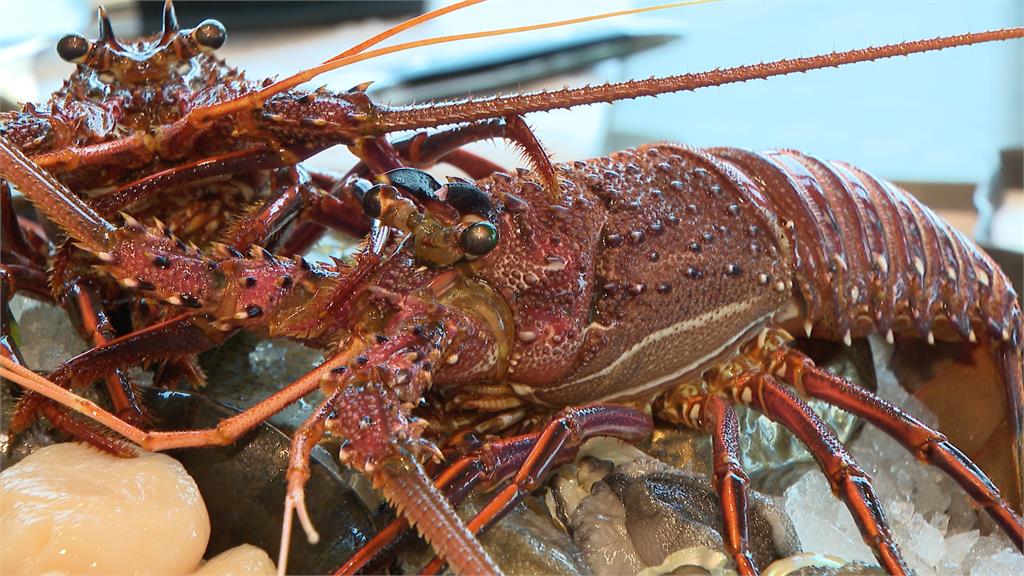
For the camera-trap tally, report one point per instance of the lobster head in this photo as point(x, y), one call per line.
point(167, 54)
point(448, 222)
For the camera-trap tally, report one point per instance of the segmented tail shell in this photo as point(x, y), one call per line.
point(869, 257)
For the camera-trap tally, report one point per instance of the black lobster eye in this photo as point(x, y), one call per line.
point(479, 238)
point(210, 34)
point(371, 201)
point(72, 47)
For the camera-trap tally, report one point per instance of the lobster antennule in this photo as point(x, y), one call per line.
point(237, 104)
point(432, 114)
point(399, 28)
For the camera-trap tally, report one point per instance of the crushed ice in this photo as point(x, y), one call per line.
point(934, 524)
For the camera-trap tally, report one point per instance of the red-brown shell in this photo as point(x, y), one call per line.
point(95, 106)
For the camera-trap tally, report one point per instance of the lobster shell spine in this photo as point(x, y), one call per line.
point(869, 257)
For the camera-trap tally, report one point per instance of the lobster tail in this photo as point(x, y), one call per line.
point(869, 257)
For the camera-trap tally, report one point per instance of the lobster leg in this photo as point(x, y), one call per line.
point(331, 205)
point(53, 199)
point(84, 302)
point(30, 280)
point(556, 445)
point(13, 278)
point(716, 416)
point(84, 430)
point(14, 246)
point(258, 226)
point(849, 482)
point(174, 338)
point(475, 166)
point(226, 432)
point(927, 444)
point(1008, 358)
point(22, 263)
point(123, 198)
point(379, 156)
point(425, 150)
point(9, 278)
point(62, 419)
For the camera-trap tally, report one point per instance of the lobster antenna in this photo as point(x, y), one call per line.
point(402, 27)
point(441, 113)
point(256, 99)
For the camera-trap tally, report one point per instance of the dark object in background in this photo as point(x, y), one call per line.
point(988, 198)
point(990, 194)
point(534, 58)
point(275, 13)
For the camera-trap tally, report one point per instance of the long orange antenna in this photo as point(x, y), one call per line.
point(399, 28)
point(256, 99)
point(432, 114)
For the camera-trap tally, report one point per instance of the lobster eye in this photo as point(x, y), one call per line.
point(371, 201)
point(73, 47)
point(210, 34)
point(480, 238)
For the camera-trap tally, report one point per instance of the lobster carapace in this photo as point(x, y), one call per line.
point(663, 276)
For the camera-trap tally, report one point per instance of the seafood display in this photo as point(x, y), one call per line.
point(484, 329)
point(237, 491)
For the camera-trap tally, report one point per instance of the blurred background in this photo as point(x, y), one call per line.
point(948, 125)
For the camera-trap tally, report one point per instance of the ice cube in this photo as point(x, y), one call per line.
point(957, 546)
point(926, 541)
point(932, 520)
point(1006, 562)
point(822, 522)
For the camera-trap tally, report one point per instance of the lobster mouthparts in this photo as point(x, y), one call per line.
point(370, 407)
point(383, 443)
point(408, 488)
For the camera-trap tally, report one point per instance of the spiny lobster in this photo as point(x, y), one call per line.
point(221, 191)
point(664, 276)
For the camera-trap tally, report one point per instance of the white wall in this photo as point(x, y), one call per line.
point(931, 117)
